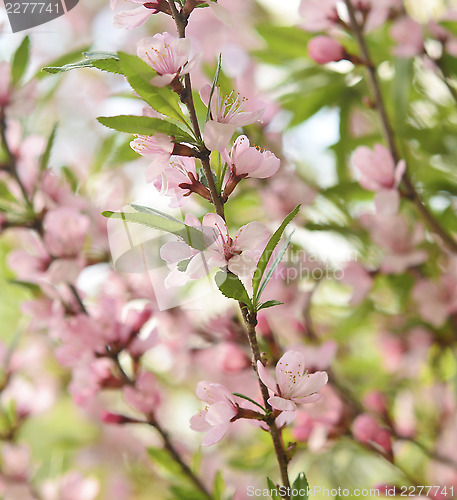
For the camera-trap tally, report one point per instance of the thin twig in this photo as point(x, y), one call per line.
point(410, 190)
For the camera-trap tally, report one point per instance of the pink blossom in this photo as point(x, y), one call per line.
point(16, 101)
point(409, 37)
point(71, 486)
point(16, 464)
point(293, 385)
point(131, 19)
point(436, 300)
point(324, 49)
point(355, 275)
point(144, 396)
point(65, 231)
point(319, 15)
point(166, 54)
point(157, 148)
point(246, 161)
point(240, 253)
point(216, 418)
point(379, 173)
point(227, 113)
point(28, 398)
point(367, 431)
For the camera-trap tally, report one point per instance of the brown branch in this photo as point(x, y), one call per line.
point(177, 458)
point(410, 190)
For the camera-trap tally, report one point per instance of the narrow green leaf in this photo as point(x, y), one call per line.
point(273, 489)
point(249, 399)
point(266, 254)
point(218, 486)
point(162, 458)
point(68, 67)
point(232, 287)
point(269, 303)
point(105, 61)
point(272, 268)
point(157, 220)
point(20, 61)
point(187, 493)
point(216, 78)
point(301, 485)
point(44, 160)
point(68, 58)
point(145, 125)
point(139, 75)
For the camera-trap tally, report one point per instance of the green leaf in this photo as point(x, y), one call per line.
point(218, 486)
point(20, 61)
point(187, 493)
point(163, 222)
point(266, 254)
point(272, 269)
point(139, 75)
point(216, 78)
point(249, 399)
point(273, 489)
point(162, 458)
point(71, 57)
point(232, 287)
point(300, 484)
point(44, 160)
point(105, 61)
point(269, 303)
point(144, 125)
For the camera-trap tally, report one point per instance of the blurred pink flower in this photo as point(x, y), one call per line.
point(16, 463)
point(367, 431)
point(166, 54)
point(319, 15)
point(71, 486)
point(436, 300)
point(157, 148)
point(408, 35)
point(294, 385)
point(144, 396)
point(131, 19)
point(216, 418)
point(65, 231)
point(227, 113)
point(240, 253)
point(355, 275)
point(324, 49)
point(379, 173)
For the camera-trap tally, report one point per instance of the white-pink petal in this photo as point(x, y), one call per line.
point(282, 404)
point(266, 377)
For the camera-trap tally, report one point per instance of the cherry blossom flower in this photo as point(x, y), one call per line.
point(357, 276)
point(227, 113)
point(409, 37)
point(131, 19)
point(240, 253)
point(158, 148)
point(292, 385)
point(379, 173)
point(167, 55)
point(319, 15)
point(71, 486)
point(144, 396)
point(216, 418)
point(367, 431)
point(324, 49)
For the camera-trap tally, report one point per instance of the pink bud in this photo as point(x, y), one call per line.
point(324, 49)
point(114, 418)
point(375, 401)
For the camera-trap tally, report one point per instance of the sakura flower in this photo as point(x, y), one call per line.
point(292, 385)
point(71, 486)
point(158, 148)
point(324, 49)
point(367, 431)
point(227, 113)
point(379, 173)
point(319, 15)
point(167, 55)
point(246, 161)
point(409, 37)
point(131, 19)
point(240, 253)
point(216, 418)
point(144, 396)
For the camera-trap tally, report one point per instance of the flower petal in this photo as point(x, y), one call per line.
point(266, 377)
point(217, 135)
point(215, 434)
point(282, 404)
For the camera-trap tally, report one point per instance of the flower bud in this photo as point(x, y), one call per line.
point(324, 49)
